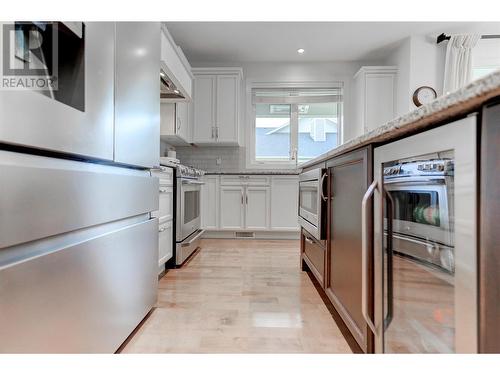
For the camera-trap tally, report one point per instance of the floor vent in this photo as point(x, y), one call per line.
point(245, 235)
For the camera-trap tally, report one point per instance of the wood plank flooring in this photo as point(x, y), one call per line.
point(239, 296)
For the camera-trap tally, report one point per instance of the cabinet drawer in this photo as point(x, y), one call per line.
point(165, 242)
point(314, 256)
point(166, 176)
point(245, 180)
point(166, 201)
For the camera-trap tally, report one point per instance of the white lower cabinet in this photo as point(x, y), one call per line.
point(284, 203)
point(257, 207)
point(243, 202)
point(165, 244)
point(165, 215)
point(210, 203)
point(232, 207)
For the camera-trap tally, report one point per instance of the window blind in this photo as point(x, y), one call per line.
point(297, 95)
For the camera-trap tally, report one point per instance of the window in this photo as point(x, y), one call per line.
point(485, 57)
point(295, 125)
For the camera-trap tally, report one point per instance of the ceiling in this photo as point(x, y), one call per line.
point(236, 42)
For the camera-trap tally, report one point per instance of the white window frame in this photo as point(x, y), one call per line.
point(251, 162)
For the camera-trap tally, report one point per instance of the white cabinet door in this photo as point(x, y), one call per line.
point(182, 121)
point(165, 243)
point(257, 207)
point(210, 203)
point(167, 119)
point(204, 109)
point(166, 203)
point(231, 207)
point(284, 202)
point(227, 108)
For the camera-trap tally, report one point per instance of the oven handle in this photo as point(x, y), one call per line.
point(192, 182)
point(200, 233)
point(415, 180)
point(322, 187)
point(390, 265)
point(364, 255)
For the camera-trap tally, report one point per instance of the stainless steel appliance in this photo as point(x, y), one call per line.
point(188, 230)
point(422, 304)
point(313, 202)
point(78, 246)
point(422, 193)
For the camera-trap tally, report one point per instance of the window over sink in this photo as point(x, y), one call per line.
point(294, 125)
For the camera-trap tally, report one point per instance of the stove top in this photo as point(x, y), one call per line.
point(185, 171)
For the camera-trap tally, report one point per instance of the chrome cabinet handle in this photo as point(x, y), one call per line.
point(308, 240)
point(213, 131)
point(162, 229)
point(217, 132)
point(163, 191)
point(322, 187)
point(364, 256)
point(241, 197)
point(246, 197)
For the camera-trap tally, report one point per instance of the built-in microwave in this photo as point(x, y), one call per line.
point(313, 202)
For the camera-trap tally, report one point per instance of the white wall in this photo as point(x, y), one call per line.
point(420, 62)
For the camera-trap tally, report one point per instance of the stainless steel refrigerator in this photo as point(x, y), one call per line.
point(78, 246)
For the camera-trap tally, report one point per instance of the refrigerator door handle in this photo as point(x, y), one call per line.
point(364, 255)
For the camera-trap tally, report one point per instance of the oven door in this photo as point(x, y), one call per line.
point(77, 116)
point(421, 208)
point(311, 205)
point(188, 208)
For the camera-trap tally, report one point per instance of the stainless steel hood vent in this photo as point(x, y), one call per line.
point(168, 90)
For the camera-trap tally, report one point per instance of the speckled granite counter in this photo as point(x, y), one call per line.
point(262, 172)
point(466, 100)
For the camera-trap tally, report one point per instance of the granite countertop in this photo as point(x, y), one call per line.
point(463, 101)
point(258, 172)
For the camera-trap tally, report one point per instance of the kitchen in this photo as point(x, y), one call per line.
point(217, 194)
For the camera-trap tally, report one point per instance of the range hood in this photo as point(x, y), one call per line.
point(168, 90)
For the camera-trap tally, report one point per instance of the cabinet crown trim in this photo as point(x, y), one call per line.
point(377, 69)
point(218, 70)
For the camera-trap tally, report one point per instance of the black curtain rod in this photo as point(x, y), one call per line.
point(442, 37)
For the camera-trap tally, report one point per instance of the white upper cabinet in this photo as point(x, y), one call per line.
point(175, 65)
point(204, 109)
point(216, 105)
point(228, 87)
point(174, 123)
point(375, 97)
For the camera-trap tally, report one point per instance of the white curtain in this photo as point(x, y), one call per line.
point(458, 64)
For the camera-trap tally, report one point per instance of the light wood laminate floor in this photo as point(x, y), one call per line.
point(239, 296)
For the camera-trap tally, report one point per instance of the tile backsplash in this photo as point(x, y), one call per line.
point(232, 159)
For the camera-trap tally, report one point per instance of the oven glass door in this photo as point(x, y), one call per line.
point(190, 208)
point(422, 210)
point(309, 201)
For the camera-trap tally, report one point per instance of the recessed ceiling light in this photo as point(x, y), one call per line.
point(300, 51)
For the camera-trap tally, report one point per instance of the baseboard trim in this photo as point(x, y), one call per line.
point(258, 235)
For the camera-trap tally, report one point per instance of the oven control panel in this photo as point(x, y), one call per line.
point(420, 168)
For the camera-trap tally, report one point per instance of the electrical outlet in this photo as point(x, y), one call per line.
point(218, 161)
